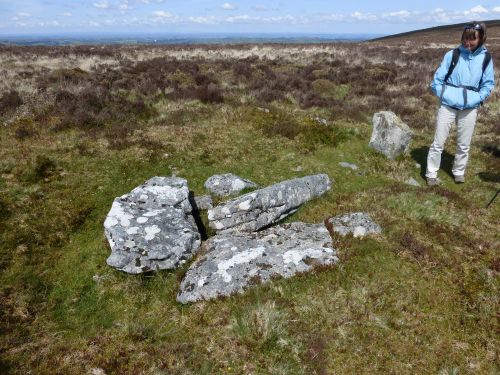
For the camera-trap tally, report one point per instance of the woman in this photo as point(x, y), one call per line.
point(462, 88)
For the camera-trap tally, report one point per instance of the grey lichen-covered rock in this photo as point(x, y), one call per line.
point(151, 228)
point(232, 263)
point(358, 224)
point(390, 135)
point(260, 208)
point(203, 202)
point(320, 121)
point(227, 184)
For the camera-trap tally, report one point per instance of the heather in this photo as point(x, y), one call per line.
point(82, 125)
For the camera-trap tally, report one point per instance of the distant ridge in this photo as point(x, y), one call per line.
point(179, 39)
point(448, 28)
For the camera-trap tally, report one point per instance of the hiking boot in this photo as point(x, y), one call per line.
point(432, 181)
point(459, 179)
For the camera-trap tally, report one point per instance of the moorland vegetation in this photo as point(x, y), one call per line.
point(84, 124)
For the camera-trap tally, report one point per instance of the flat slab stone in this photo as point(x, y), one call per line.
point(151, 228)
point(390, 135)
point(261, 208)
point(358, 224)
point(227, 184)
point(234, 262)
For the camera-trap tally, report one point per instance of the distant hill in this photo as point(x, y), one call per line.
point(442, 34)
point(179, 39)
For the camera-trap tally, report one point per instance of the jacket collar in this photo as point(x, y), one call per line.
point(478, 51)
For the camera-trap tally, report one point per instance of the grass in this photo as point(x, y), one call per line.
point(420, 298)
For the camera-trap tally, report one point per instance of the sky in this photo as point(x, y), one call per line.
point(236, 16)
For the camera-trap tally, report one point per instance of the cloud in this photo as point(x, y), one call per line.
point(358, 16)
point(243, 19)
point(124, 5)
point(258, 19)
point(207, 20)
point(228, 6)
point(478, 10)
point(162, 14)
point(119, 13)
point(399, 14)
point(287, 18)
point(333, 17)
point(438, 15)
point(50, 23)
point(162, 17)
point(102, 5)
point(259, 8)
point(19, 16)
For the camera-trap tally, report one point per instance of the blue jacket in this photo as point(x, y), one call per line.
point(467, 72)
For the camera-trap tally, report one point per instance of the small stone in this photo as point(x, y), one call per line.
point(320, 121)
point(98, 278)
point(227, 184)
point(413, 182)
point(358, 224)
point(348, 165)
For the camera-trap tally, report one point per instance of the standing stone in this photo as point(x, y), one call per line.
point(151, 228)
point(233, 262)
point(227, 184)
point(260, 208)
point(390, 135)
point(358, 224)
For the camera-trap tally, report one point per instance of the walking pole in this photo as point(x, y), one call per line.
point(492, 199)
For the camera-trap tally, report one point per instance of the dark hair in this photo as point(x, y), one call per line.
point(470, 31)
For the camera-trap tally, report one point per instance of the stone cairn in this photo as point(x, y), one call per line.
point(153, 228)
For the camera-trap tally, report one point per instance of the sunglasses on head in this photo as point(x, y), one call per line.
point(473, 26)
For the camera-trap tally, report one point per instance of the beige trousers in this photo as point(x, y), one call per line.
point(465, 120)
